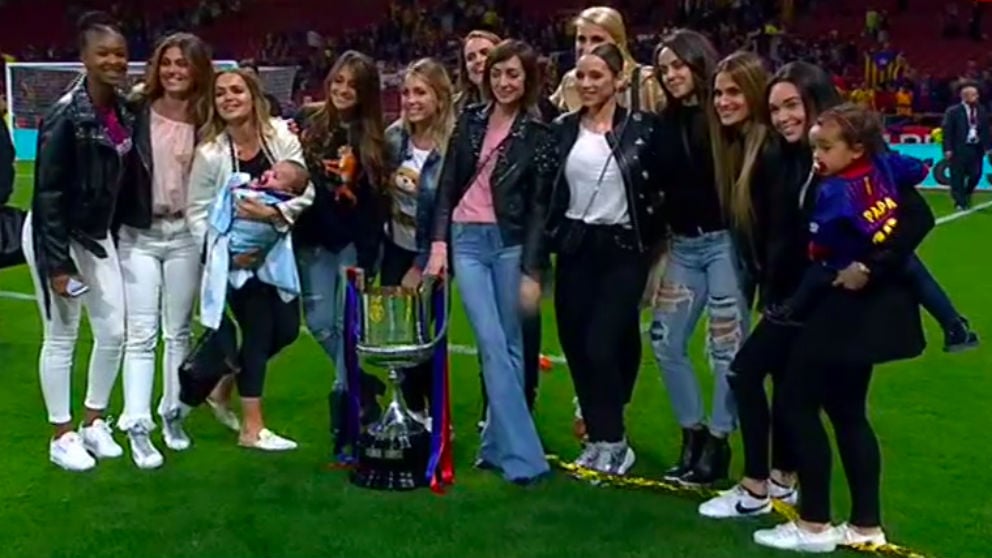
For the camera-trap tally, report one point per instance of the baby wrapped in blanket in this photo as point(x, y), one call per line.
point(230, 236)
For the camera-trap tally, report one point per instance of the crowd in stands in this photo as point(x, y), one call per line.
point(417, 28)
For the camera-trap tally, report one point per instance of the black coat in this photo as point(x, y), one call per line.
point(881, 323)
point(955, 128)
point(11, 218)
point(637, 144)
point(521, 180)
point(78, 176)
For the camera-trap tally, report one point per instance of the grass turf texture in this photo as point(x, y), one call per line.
point(219, 500)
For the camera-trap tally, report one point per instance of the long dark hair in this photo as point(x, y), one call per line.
point(198, 54)
point(697, 52)
point(368, 115)
point(815, 88)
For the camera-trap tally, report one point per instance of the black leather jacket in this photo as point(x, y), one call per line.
point(637, 146)
point(525, 169)
point(134, 206)
point(78, 176)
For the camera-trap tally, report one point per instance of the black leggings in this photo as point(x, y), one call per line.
point(842, 392)
point(267, 324)
point(765, 352)
point(598, 292)
point(417, 381)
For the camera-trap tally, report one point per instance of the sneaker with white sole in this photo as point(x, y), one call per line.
point(734, 503)
point(175, 437)
point(851, 537)
point(783, 493)
point(225, 415)
point(98, 438)
point(67, 451)
point(790, 536)
point(614, 458)
point(588, 457)
point(270, 441)
point(143, 452)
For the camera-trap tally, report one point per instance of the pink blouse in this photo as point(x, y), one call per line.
point(172, 154)
point(476, 205)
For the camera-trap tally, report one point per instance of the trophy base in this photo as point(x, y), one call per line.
point(394, 464)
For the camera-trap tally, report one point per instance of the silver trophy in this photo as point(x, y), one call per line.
point(396, 333)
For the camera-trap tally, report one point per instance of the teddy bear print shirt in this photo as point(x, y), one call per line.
point(405, 184)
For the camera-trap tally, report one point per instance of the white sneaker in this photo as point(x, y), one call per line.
point(270, 441)
point(175, 437)
point(783, 493)
point(588, 456)
point(733, 503)
point(225, 415)
point(67, 451)
point(98, 438)
point(424, 419)
point(851, 537)
point(143, 452)
point(789, 536)
point(614, 458)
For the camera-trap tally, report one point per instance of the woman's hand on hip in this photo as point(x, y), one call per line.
point(255, 211)
point(437, 264)
point(853, 277)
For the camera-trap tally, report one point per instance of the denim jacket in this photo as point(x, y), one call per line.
point(399, 149)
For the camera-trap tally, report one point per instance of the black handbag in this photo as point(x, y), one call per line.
point(11, 225)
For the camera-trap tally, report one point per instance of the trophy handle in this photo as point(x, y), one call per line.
point(427, 287)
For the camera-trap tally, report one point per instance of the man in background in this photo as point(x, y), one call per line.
point(967, 140)
point(275, 109)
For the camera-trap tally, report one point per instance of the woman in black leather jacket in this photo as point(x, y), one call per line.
point(605, 222)
point(83, 144)
point(501, 157)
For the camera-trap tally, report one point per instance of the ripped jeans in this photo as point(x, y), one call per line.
point(702, 273)
point(322, 281)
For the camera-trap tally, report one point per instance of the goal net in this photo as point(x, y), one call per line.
point(32, 88)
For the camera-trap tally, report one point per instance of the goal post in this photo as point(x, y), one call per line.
point(32, 88)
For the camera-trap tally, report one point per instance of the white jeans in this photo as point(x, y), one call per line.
point(104, 304)
point(161, 269)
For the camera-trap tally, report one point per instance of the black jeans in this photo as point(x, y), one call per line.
point(598, 290)
point(765, 352)
point(267, 325)
point(966, 172)
point(417, 381)
point(842, 392)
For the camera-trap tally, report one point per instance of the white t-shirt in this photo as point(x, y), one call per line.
point(405, 184)
point(583, 168)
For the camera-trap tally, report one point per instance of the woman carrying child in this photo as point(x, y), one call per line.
point(242, 138)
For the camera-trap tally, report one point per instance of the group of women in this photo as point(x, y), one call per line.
point(685, 186)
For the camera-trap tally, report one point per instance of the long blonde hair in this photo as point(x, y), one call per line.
point(611, 21)
point(436, 77)
point(216, 125)
point(736, 150)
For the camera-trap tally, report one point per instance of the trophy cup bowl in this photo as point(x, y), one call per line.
point(395, 333)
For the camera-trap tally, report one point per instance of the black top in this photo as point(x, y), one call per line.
point(689, 185)
point(343, 212)
point(6, 163)
point(256, 166)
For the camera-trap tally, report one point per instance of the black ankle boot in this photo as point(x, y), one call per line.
point(371, 389)
point(692, 446)
point(959, 337)
point(713, 464)
point(337, 408)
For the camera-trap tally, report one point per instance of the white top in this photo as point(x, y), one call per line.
point(590, 154)
point(405, 184)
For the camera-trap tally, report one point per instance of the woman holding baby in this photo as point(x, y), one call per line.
point(241, 138)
